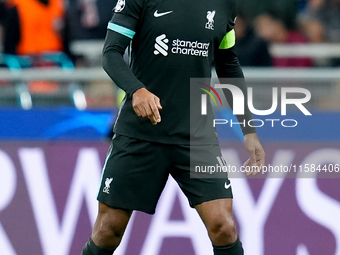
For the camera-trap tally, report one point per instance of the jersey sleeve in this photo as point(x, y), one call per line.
point(120, 31)
point(126, 16)
point(229, 39)
point(228, 66)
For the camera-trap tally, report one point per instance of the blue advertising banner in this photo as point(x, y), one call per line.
point(55, 124)
point(72, 124)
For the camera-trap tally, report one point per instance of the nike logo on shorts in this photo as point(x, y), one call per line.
point(227, 186)
point(156, 14)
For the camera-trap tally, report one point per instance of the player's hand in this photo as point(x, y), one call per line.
point(256, 154)
point(147, 105)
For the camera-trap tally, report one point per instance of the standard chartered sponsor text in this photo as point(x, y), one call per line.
point(193, 48)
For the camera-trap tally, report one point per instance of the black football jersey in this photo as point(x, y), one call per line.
point(172, 42)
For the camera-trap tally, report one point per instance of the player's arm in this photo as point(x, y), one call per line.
point(227, 66)
point(119, 34)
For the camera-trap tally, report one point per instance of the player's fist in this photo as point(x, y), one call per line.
point(147, 105)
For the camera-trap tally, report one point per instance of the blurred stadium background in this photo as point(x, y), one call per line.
point(55, 124)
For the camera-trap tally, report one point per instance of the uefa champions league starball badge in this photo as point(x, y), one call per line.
point(120, 5)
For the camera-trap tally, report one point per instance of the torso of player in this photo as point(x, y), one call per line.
point(175, 41)
point(174, 32)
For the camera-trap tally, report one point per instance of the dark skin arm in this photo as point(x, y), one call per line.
point(227, 66)
point(145, 103)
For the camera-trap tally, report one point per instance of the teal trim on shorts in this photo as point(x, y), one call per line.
point(121, 30)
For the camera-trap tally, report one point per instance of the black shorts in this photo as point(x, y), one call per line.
point(136, 171)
